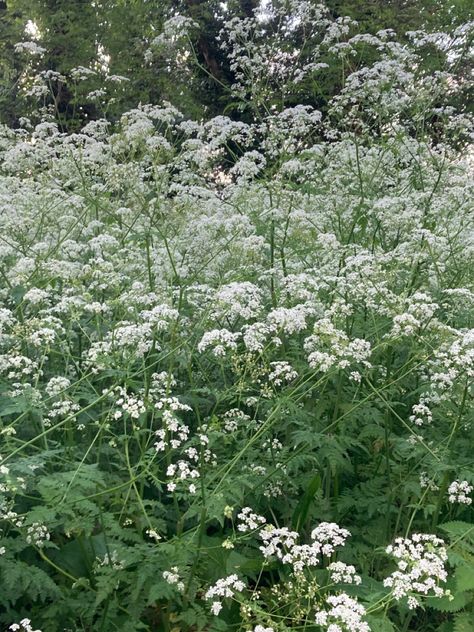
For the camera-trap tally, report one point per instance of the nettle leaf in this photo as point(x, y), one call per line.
point(464, 577)
point(459, 530)
point(461, 536)
point(444, 604)
point(241, 564)
point(463, 622)
point(380, 624)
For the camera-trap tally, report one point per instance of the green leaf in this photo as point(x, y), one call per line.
point(458, 529)
point(380, 624)
point(301, 512)
point(464, 577)
point(444, 604)
point(464, 622)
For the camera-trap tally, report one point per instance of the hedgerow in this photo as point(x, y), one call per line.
point(237, 358)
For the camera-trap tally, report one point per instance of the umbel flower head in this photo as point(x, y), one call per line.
point(421, 567)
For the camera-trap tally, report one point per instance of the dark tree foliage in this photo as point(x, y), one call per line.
point(115, 34)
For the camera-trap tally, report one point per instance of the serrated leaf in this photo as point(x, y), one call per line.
point(459, 529)
point(380, 624)
point(444, 604)
point(463, 622)
point(464, 578)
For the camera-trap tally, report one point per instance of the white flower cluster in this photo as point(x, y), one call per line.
point(233, 419)
point(421, 414)
point(427, 482)
point(174, 432)
point(281, 372)
point(255, 336)
point(290, 320)
point(452, 360)
point(11, 516)
point(65, 407)
point(419, 312)
point(57, 385)
point(172, 577)
point(249, 521)
point(343, 573)
point(282, 544)
point(238, 300)
point(160, 316)
point(37, 534)
point(329, 535)
point(420, 560)
point(329, 347)
point(220, 340)
point(111, 560)
point(459, 492)
point(344, 614)
point(223, 588)
point(23, 626)
point(29, 47)
point(129, 404)
point(11, 484)
point(15, 367)
point(181, 471)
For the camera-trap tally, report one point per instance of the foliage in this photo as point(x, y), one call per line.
point(237, 355)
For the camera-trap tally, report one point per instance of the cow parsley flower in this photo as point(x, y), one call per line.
point(249, 521)
point(343, 573)
point(37, 534)
point(329, 535)
point(223, 589)
point(459, 492)
point(344, 614)
point(172, 578)
point(220, 340)
point(23, 626)
point(420, 560)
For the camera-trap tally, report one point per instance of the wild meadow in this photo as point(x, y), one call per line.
point(237, 353)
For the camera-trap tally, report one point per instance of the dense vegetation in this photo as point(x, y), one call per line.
point(236, 320)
